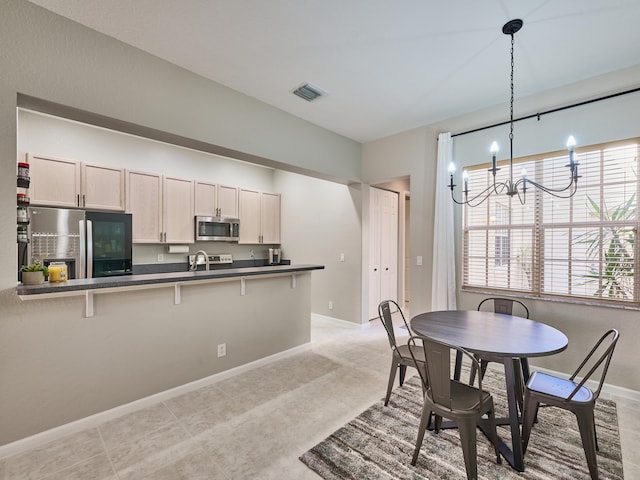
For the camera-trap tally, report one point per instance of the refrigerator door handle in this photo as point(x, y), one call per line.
point(89, 249)
point(83, 251)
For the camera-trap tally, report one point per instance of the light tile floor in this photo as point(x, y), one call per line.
point(252, 426)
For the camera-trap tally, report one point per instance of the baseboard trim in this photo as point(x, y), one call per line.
point(338, 321)
point(91, 421)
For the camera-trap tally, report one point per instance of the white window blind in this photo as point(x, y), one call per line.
point(583, 247)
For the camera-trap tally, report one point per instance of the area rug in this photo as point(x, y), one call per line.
point(379, 443)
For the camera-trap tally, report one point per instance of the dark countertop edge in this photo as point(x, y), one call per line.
point(159, 278)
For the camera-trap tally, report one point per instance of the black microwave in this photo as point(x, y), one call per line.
point(217, 229)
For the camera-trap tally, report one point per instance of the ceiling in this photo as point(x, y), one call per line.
point(387, 66)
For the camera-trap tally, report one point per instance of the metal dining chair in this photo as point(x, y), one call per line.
point(403, 356)
point(454, 400)
point(572, 396)
point(506, 306)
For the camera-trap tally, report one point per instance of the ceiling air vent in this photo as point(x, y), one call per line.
point(309, 92)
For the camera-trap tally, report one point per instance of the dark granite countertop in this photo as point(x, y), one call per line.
point(160, 278)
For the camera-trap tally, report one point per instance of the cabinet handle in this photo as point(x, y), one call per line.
point(78, 200)
point(160, 236)
point(84, 201)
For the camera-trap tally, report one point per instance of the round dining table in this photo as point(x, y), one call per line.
point(498, 335)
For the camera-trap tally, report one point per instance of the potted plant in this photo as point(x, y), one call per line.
point(34, 274)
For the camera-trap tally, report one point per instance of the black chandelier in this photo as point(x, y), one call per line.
point(510, 187)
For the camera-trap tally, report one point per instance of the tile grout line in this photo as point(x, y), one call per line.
point(194, 439)
point(106, 452)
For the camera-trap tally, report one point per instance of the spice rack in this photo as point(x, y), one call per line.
point(22, 216)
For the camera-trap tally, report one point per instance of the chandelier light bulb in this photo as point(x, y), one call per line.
point(452, 168)
point(494, 148)
point(571, 142)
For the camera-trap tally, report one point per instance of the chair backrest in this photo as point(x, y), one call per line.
point(439, 377)
point(384, 312)
point(604, 359)
point(505, 305)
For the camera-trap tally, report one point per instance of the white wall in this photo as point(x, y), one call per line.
point(599, 122)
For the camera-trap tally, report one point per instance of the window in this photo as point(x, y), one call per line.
point(581, 248)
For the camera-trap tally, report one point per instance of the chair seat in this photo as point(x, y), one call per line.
point(418, 352)
point(558, 387)
point(465, 397)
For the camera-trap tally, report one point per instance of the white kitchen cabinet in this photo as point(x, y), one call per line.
point(162, 208)
point(383, 248)
point(270, 217)
point(102, 187)
point(214, 200)
point(178, 218)
point(259, 217)
point(227, 201)
point(59, 182)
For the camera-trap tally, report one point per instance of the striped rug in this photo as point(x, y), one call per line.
point(379, 444)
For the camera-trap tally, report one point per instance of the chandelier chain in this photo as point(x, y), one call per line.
point(511, 103)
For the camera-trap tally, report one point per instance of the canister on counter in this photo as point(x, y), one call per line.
point(57, 272)
point(22, 215)
point(22, 234)
point(23, 171)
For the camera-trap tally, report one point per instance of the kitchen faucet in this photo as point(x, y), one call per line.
point(194, 265)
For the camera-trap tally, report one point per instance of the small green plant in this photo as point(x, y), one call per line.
point(36, 267)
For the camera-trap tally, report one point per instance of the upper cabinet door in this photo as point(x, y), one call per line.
point(270, 217)
point(249, 216)
point(102, 187)
point(144, 202)
point(178, 207)
point(54, 181)
point(227, 201)
point(205, 199)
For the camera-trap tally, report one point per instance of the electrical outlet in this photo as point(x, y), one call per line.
point(342, 257)
point(222, 350)
point(161, 257)
point(419, 260)
point(330, 305)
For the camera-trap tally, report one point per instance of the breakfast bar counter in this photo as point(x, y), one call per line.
point(176, 280)
point(158, 279)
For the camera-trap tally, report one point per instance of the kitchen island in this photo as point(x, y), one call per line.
point(147, 337)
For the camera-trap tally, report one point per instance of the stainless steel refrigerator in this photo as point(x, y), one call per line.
point(92, 244)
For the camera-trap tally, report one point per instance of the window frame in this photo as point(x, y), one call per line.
point(539, 260)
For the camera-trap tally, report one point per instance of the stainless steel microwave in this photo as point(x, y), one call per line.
point(217, 229)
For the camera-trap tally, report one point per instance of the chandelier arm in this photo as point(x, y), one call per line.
point(552, 191)
point(484, 194)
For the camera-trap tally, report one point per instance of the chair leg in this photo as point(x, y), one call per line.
point(424, 423)
point(403, 372)
point(528, 418)
point(458, 366)
point(392, 378)
point(494, 434)
point(467, 431)
point(588, 435)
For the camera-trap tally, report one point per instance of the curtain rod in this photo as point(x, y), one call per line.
point(538, 115)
